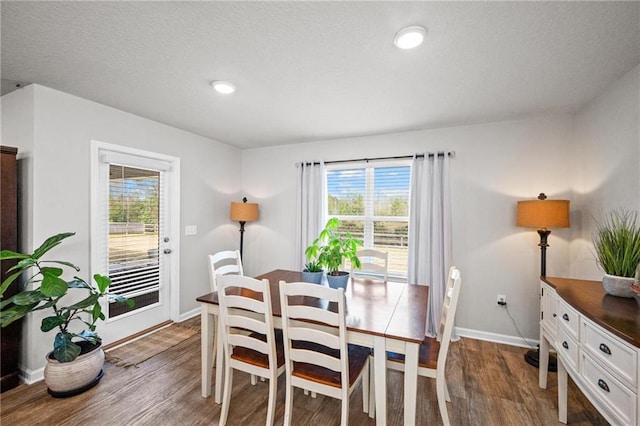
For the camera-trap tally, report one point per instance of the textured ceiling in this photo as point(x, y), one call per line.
point(320, 70)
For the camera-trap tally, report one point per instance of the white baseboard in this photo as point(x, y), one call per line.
point(496, 338)
point(189, 315)
point(31, 376)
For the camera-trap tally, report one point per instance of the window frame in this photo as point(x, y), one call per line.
point(369, 218)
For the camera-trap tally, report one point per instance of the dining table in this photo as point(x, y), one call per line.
point(382, 315)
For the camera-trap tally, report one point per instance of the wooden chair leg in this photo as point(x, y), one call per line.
point(446, 391)
point(273, 391)
point(442, 401)
point(288, 404)
point(344, 417)
point(365, 388)
point(226, 395)
point(372, 392)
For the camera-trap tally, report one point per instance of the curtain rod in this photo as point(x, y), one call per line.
point(450, 154)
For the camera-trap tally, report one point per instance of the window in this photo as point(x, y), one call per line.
point(372, 202)
point(134, 244)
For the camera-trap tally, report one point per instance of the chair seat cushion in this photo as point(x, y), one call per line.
point(428, 356)
point(358, 356)
point(259, 359)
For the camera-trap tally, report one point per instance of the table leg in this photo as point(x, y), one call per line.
point(543, 361)
point(380, 377)
point(410, 382)
point(206, 346)
point(219, 365)
point(562, 392)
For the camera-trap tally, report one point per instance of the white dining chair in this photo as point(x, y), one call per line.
point(373, 262)
point(248, 336)
point(433, 351)
point(223, 263)
point(317, 356)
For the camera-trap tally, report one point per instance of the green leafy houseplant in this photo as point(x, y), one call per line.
point(331, 248)
point(617, 243)
point(52, 288)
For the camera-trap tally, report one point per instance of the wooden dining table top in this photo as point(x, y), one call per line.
point(376, 307)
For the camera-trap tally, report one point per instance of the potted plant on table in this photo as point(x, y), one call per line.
point(331, 248)
point(312, 272)
point(75, 364)
point(617, 250)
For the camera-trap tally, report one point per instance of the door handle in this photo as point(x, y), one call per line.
point(565, 345)
point(166, 251)
point(565, 317)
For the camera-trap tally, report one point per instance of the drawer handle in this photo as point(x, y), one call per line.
point(603, 385)
point(604, 348)
point(565, 345)
point(565, 317)
point(555, 315)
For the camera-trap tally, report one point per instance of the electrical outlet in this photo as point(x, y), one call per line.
point(502, 300)
point(191, 230)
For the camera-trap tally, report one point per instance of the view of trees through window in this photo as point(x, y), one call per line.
point(134, 221)
point(373, 204)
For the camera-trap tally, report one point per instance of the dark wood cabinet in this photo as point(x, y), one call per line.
point(9, 336)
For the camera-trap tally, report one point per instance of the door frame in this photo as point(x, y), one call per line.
point(173, 181)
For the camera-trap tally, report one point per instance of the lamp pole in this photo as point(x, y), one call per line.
point(544, 234)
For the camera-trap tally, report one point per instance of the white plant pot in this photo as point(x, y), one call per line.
point(71, 378)
point(618, 286)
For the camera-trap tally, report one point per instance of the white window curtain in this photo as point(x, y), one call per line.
point(430, 230)
point(311, 206)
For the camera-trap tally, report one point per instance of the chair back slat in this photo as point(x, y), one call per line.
point(313, 314)
point(306, 334)
point(247, 323)
point(224, 263)
point(246, 303)
point(249, 342)
point(315, 358)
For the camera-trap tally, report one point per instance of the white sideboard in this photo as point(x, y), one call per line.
point(596, 337)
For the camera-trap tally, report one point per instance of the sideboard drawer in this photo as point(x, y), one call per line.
point(615, 355)
point(569, 319)
point(614, 396)
point(567, 347)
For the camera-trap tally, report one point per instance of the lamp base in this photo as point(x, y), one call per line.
point(533, 358)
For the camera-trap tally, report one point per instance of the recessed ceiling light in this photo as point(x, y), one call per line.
point(223, 87)
point(410, 37)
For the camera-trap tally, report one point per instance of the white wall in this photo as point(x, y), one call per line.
point(496, 164)
point(54, 143)
point(607, 165)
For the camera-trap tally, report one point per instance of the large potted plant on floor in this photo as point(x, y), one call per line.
point(331, 248)
point(617, 250)
point(75, 364)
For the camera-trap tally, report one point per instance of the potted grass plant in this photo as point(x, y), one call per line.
point(75, 363)
point(617, 249)
point(312, 272)
point(331, 249)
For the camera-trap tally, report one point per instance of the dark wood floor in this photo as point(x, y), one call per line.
point(490, 384)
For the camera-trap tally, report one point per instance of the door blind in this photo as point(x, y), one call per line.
point(134, 209)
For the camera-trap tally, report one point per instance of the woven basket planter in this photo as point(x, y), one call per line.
point(71, 378)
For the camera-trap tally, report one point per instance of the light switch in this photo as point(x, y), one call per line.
point(190, 230)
